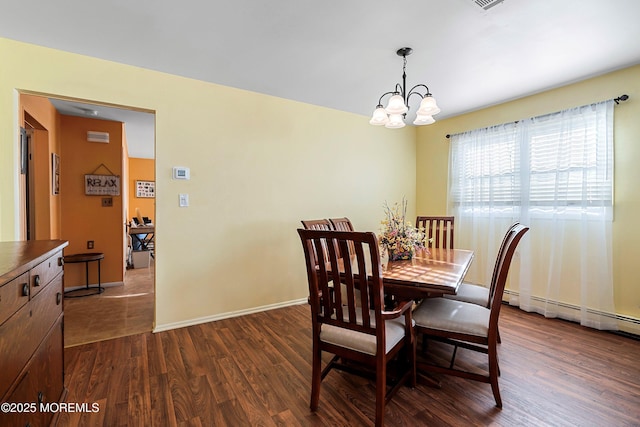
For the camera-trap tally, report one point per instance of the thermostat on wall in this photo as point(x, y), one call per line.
point(180, 172)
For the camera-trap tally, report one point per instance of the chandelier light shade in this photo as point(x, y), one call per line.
point(380, 117)
point(393, 115)
point(396, 121)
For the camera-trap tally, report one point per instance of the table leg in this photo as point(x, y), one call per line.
point(86, 273)
point(100, 289)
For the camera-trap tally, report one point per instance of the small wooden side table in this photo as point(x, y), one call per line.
point(86, 258)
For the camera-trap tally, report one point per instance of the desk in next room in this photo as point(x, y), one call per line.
point(142, 237)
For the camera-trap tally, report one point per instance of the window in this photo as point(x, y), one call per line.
point(557, 164)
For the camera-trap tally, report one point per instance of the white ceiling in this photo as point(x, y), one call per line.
point(341, 54)
point(139, 126)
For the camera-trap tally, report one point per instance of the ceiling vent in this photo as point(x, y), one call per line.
point(487, 4)
point(93, 136)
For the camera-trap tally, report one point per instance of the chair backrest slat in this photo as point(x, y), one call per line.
point(438, 228)
point(496, 267)
point(343, 224)
point(501, 271)
point(317, 224)
point(341, 305)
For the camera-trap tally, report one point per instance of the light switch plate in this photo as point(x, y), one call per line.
point(184, 200)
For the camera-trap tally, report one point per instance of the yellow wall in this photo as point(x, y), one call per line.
point(433, 150)
point(83, 217)
point(141, 170)
point(259, 165)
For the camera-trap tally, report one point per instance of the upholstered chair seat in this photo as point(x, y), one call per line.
point(359, 341)
point(474, 294)
point(453, 316)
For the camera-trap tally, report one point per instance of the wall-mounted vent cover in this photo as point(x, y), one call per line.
point(93, 136)
point(487, 4)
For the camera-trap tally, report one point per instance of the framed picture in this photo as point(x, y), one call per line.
point(146, 189)
point(55, 173)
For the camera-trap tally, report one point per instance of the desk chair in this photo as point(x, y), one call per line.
point(467, 325)
point(363, 341)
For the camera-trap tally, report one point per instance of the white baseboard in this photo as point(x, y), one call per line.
point(571, 312)
point(94, 285)
point(227, 315)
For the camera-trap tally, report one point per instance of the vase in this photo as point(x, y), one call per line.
point(399, 255)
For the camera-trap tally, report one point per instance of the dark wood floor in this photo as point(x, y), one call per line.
point(254, 370)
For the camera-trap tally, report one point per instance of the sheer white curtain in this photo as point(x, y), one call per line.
point(555, 174)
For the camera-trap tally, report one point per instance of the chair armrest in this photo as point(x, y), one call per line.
point(398, 311)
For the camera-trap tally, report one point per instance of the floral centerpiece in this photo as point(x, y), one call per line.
point(398, 237)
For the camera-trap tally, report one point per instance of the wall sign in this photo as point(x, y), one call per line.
point(146, 189)
point(102, 185)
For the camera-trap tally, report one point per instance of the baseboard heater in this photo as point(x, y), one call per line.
point(572, 313)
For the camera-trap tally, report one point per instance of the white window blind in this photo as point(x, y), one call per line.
point(560, 164)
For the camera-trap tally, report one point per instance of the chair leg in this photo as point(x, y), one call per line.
point(412, 358)
point(316, 376)
point(381, 390)
point(453, 357)
point(494, 371)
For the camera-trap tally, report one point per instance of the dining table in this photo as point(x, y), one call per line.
point(432, 272)
point(435, 271)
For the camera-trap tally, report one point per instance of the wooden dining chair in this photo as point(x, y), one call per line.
point(363, 341)
point(343, 224)
point(317, 224)
point(467, 325)
point(438, 228)
point(479, 294)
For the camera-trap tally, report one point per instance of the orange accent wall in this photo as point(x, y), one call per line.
point(141, 170)
point(84, 218)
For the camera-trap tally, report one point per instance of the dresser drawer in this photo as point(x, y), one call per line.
point(46, 307)
point(42, 273)
point(21, 335)
point(40, 382)
point(13, 295)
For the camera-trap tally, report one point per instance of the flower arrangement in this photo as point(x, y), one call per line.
point(398, 237)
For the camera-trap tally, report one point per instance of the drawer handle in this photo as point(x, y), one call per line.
point(58, 298)
point(36, 280)
point(60, 261)
point(40, 397)
point(25, 290)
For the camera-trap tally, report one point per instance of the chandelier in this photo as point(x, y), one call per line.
point(393, 115)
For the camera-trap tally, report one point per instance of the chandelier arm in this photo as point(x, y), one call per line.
point(383, 95)
point(413, 90)
point(414, 93)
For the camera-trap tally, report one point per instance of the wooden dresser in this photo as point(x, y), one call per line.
point(31, 331)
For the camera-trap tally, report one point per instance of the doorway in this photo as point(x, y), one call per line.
point(60, 127)
point(35, 212)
